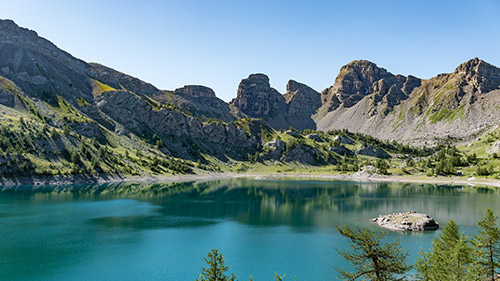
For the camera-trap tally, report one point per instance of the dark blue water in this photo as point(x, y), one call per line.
point(163, 231)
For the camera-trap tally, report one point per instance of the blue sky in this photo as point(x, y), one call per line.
point(217, 43)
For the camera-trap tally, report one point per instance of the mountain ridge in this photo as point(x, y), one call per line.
point(63, 117)
point(364, 97)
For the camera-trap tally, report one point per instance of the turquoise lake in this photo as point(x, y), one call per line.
point(163, 231)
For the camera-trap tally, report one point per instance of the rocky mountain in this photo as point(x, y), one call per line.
point(368, 99)
point(302, 103)
point(199, 101)
point(257, 99)
point(360, 79)
point(60, 115)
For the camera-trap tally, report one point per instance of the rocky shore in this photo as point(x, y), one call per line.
point(407, 221)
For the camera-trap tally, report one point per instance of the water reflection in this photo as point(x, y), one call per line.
point(269, 203)
point(127, 231)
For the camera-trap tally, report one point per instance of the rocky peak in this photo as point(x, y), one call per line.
point(293, 86)
point(195, 91)
point(483, 76)
point(257, 98)
point(258, 79)
point(364, 70)
point(8, 28)
point(303, 102)
point(362, 78)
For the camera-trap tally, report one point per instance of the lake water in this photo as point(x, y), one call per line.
point(163, 231)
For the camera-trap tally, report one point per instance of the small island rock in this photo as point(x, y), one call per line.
point(407, 221)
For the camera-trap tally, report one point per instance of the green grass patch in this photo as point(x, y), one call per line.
point(446, 114)
point(103, 87)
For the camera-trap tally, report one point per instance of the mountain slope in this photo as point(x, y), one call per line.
point(370, 100)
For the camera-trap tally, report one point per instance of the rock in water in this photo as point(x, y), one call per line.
point(407, 221)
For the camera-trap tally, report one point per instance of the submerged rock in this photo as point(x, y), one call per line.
point(406, 221)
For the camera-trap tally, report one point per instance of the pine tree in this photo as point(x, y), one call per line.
point(449, 257)
point(372, 259)
point(216, 270)
point(487, 246)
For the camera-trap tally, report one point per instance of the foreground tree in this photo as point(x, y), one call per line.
point(487, 247)
point(449, 257)
point(216, 270)
point(371, 257)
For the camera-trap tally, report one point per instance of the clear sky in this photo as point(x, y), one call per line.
point(218, 43)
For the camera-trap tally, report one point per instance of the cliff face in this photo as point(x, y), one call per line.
point(257, 99)
point(303, 102)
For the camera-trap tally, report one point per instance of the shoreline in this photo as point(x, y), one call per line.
point(103, 179)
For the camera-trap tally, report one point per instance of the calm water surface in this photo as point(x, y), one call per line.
point(163, 231)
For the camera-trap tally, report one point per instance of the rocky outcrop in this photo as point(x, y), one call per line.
point(273, 150)
point(360, 79)
point(195, 91)
point(341, 150)
point(480, 75)
point(370, 150)
point(301, 153)
point(407, 221)
point(314, 137)
point(293, 133)
point(257, 99)
point(343, 139)
point(140, 117)
point(370, 100)
point(303, 102)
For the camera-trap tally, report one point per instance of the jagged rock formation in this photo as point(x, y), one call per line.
point(302, 102)
point(370, 100)
point(140, 117)
point(359, 79)
point(257, 99)
point(407, 221)
point(273, 150)
point(301, 153)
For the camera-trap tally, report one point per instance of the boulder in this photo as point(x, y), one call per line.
point(407, 221)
